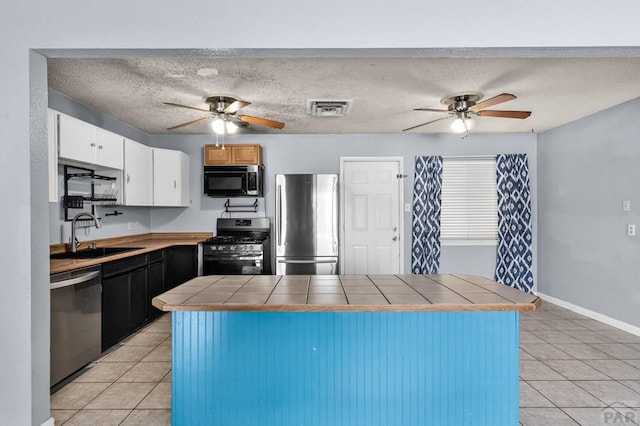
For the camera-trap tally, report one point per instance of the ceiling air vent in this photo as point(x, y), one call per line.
point(328, 107)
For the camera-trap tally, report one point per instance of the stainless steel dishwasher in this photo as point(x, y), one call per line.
point(76, 321)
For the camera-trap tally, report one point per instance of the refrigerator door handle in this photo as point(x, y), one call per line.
point(279, 215)
point(306, 261)
point(334, 221)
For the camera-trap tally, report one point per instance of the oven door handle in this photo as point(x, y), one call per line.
point(306, 261)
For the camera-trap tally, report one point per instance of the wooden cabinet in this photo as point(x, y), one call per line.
point(138, 187)
point(232, 154)
point(170, 178)
point(85, 143)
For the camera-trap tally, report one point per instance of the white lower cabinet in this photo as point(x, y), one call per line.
point(170, 178)
point(138, 174)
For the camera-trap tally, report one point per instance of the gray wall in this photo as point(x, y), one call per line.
point(321, 154)
point(36, 24)
point(586, 169)
point(112, 226)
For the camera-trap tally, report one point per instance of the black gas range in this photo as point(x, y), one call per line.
point(241, 246)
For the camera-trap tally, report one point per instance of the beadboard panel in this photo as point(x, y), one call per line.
point(347, 368)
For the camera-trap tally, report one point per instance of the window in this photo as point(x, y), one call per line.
point(469, 214)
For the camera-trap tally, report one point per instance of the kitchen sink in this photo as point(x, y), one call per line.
point(93, 253)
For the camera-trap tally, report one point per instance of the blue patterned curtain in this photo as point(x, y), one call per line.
point(427, 199)
point(514, 257)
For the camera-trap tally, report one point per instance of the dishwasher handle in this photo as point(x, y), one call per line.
point(76, 280)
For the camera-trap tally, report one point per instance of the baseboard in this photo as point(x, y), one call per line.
point(49, 422)
point(593, 315)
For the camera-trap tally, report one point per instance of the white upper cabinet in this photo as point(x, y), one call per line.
point(170, 178)
point(109, 148)
point(83, 142)
point(76, 139)
point(52, 143)
point(138, 174)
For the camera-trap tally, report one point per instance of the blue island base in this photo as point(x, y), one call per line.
point(345, 368)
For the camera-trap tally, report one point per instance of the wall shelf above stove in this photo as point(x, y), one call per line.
point(240, 208)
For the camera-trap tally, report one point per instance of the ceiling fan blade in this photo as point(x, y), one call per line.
point(261, 121)
point(185, 106)
point(505, 114)
point(431, 109)
point(188, 123)
point(504, 97)
point(424, 124)
point(235, 106)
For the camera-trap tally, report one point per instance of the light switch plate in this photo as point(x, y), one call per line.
point(626, 205)
point(631, 230)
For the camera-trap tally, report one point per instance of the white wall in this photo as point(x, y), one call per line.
point(586, 169)
point(321, 154)
point(119, 24)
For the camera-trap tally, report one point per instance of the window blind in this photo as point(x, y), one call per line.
point(469, 212)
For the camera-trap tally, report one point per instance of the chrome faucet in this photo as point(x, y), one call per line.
point(74, 241)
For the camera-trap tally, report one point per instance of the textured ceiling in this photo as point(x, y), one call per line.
point(384, 90)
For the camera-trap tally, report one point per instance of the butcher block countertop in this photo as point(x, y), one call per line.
point(343, 293)
point(146, 242)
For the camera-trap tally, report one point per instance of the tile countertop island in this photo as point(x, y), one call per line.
point(350, 349)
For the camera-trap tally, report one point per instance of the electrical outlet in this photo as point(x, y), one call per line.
point(626, 205)
point(130, 226)
point(631, 230)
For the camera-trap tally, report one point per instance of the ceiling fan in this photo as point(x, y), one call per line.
point(464, 106)
point(223, 110)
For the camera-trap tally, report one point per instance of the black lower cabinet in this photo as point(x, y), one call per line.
point(156, 279)
point(182, 265)
point(124, 298)
point(139, 298)
point(116, 310)
point(129, 285)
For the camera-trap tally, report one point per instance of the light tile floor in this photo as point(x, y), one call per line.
point(573, 371)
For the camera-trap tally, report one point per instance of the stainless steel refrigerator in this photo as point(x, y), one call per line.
point(306, 224)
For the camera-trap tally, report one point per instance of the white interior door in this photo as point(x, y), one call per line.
point(372, 219)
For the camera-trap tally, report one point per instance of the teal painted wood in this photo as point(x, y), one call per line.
point(326, 368)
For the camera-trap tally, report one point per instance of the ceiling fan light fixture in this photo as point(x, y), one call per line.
point(231, 127)
point(463, 124)
point(218, 126)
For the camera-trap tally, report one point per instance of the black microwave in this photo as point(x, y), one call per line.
point(233, 181)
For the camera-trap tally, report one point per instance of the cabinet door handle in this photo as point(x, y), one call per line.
point(175, 184)
point(128, 178)
point(93, 144)
point(99, 146)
